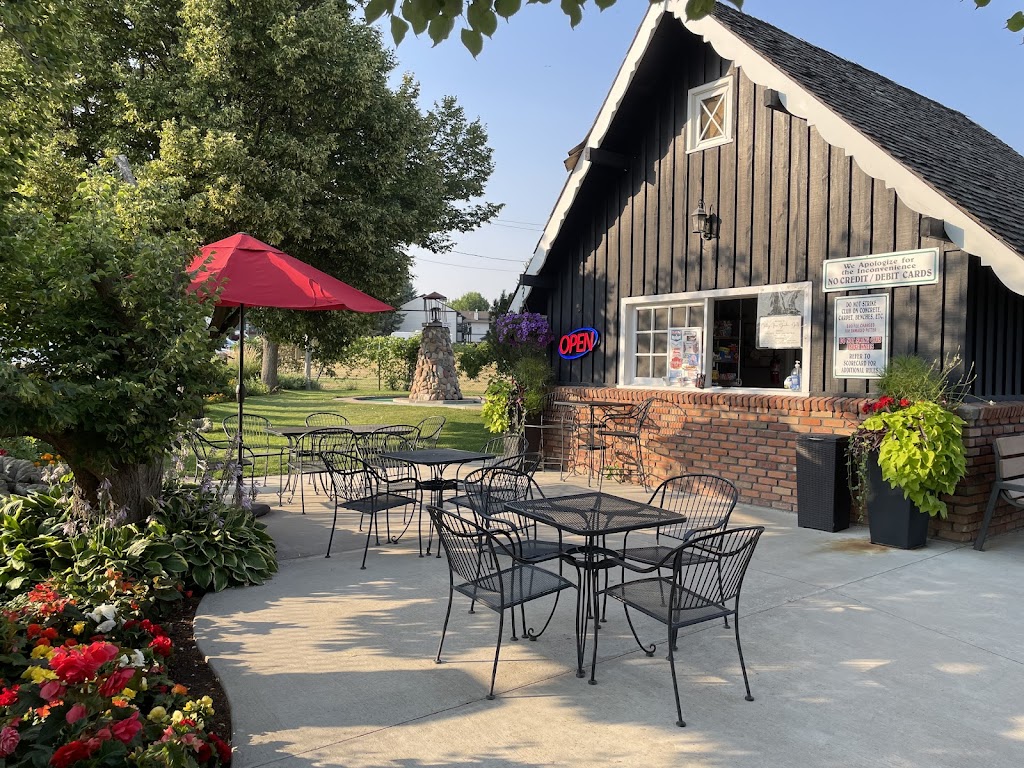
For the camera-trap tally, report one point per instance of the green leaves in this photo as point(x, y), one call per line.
point(438, 17)
point(1016, 22)
point(921, 452)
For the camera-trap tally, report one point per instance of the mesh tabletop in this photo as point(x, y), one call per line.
point(437, 456)
point(358, 429)
point(594, 514)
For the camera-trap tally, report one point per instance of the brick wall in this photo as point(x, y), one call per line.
point(751, 440)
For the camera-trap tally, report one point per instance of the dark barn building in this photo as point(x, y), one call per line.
point(846, 219)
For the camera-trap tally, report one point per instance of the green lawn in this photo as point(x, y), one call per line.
point(463, 428)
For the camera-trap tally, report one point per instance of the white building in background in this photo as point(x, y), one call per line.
point(416, 312)
point(473, 325)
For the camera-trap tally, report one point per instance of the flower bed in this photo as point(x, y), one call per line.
point(87, 682)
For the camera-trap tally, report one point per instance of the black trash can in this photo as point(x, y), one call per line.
point(822, 489)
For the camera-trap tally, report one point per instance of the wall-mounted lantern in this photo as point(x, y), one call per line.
point(705, 223)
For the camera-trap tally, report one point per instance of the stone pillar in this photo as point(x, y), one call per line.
point(435, 377)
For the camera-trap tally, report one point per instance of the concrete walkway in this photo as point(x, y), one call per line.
point(858, 656)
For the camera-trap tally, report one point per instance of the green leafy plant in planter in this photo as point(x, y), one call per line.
point(913, 432)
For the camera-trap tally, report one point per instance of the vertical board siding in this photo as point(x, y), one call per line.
point(778, 221)
point(787, 201)
point(994, 333)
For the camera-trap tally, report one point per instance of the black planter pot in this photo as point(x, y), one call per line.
point(893, 521)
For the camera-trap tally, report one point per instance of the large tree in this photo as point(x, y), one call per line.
point(280, 116)
point(479, 18)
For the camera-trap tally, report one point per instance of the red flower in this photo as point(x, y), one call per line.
point(70, 754)
point(125, 730)
point(117, 681)
point(162, 645)
point(904, 402)
point(78, 664)
point(9, 739)
point(204, 753)
point(50, 633)
point(9, 696)
point(223, 750)
point(33, 631)
point(75, 714)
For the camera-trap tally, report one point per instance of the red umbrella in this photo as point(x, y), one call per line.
point(251, 273)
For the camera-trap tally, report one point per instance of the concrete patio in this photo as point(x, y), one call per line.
point(858, 656)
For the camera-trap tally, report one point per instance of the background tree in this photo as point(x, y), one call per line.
point(283, 124)
point(500, 305)
point(471, 301)
point(480, 17)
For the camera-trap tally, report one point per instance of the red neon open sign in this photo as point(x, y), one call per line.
point(578, 343)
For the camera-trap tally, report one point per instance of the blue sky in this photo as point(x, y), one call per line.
point(538, 85)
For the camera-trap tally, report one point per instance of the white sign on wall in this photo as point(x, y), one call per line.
point(861, 345)
point(884, 270)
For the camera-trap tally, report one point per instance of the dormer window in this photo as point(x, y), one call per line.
point(709, 117)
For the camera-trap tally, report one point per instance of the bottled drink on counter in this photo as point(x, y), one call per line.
point(794, 378)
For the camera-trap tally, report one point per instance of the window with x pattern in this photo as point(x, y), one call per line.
point(710, 115)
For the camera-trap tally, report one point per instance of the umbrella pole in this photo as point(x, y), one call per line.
point(240, 397)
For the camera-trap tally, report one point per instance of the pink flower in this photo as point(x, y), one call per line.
point(75, 714)
point(52, 690)
point(125, 730)
point(9, 739)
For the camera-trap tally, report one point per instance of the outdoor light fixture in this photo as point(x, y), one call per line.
point(435, 314)
point(705, 223)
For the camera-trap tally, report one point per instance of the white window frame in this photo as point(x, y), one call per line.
point(628, 306)
point(694, 105)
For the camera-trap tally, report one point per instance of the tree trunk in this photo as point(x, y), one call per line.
point(129, 498)
point(269, 374)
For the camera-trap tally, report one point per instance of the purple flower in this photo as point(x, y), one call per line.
point(524, 329)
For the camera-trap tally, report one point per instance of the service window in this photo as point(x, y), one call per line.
point(749, 338)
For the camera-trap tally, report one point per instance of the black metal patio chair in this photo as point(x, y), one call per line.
point(624, 429)
point(257, 438)
point(473, 553)
point(707, 502)
point(326, 419)
point(428, 431)
point(304, 458)
point(698, 589)
point(358, 486)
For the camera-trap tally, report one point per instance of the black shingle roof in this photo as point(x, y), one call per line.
point(982, 175)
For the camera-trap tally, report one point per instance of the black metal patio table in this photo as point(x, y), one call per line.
point(438, 460)
point(592, 515)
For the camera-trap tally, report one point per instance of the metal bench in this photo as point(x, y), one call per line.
point(1009, 484)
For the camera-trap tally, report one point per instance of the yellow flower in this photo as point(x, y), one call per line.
point(177, 717)
point(39, 674)
point(156, 714)
point(128, 693)
point(78, 627)
point(143, 684)
point(42, 652)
